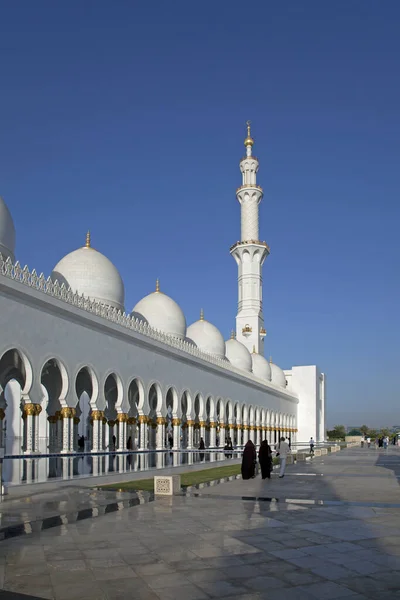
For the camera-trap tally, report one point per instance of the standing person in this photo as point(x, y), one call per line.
point(249, 461)
point(369, 442)
point(114, 441)
point(129, 443)
point(265, 458)
point(282, 451)
point(385, 442)
point(312, 444)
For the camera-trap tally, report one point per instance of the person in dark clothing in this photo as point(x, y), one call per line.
point(265, 458)
point(129, 443)
point(202, 445)
point(114, 441)
point(249, 461)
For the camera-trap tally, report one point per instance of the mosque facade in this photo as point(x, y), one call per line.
point(74, 363)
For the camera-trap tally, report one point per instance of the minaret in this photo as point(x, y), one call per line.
point(250, 254)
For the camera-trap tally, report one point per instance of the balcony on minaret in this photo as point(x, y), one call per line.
point(263, 332)
point(247, 330)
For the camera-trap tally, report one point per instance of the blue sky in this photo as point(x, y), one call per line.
point(130, 121)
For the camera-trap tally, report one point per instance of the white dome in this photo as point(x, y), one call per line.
point(207, 337)
point(238, 355)
point(90, 273)
point(277, 376)
point(161, 312)
point(7, 232)
point(261, 367)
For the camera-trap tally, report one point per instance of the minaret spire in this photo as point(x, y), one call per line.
point(87, 239)
point(250, 254)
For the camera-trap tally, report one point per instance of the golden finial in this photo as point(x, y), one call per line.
point(254, 350)
point(201, 314)
point(88, 239)
point(249, 140)
point(157, 285)
point(270, 360)
point(232, 335)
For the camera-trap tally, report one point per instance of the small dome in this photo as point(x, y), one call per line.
point(238, 355)
point(7, 232)
point(161, 312)
point(89, 272)
point(277, 375)
point(261, 367)
point(206, 337)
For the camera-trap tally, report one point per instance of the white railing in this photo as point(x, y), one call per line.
point(61, 292)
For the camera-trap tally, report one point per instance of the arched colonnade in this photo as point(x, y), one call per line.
point(61, 408)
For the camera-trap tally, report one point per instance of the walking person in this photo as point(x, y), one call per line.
point(369, 442)
point(312, 444)
point(265, 459)
point(282, 451)
point(249, 461)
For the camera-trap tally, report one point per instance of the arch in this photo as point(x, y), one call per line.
point(86, 381)
point(54, 377)
point(199, 406)
point(210, 408)
point(155, 398)
point(171, 400)
point(245, 414)
point(251, 415)
point(220, 409)
point(113, 394)
point(229, 410)
point(136, 396)
point(186, 403)
point(14, 364)
point(237, 413)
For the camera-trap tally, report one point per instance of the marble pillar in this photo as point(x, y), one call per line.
point(203, 430)
point(245, 434)
point(97, 439)
point(222, 435)
point(190, 425)
point(160, 435)
point(122, 420)
point(213, 434)
point(176, 424)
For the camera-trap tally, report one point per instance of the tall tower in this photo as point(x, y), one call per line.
point(250, 254)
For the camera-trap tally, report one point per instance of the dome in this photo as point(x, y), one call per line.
point(7, 232)
point(277, 376)
point(238, 355)
point(89, 272)
point(206, 337)
point(261, 367)
point(161, 312)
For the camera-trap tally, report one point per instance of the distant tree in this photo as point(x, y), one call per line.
point(364, 430)
point(373, 434)
point(385, 431)
point(354, 432)
point(337, 433)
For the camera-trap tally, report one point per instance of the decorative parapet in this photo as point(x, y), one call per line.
point(53, 289)
point(246, 242)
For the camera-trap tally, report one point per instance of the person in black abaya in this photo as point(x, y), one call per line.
point(249, 460)
point(265, 458)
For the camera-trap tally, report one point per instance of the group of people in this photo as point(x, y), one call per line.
point(380, 442)
point(249, 460)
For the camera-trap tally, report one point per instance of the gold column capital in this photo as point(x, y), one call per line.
point(176, 422)
point(122, 417)
point(97, 415)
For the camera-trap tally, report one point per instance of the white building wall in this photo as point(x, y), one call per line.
point(305, 382)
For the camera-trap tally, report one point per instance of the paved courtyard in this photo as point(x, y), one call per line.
point(330, 529)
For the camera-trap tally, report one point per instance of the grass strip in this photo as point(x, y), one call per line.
point(189, 478)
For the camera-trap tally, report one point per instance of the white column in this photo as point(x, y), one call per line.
point(245, 434)
point(97, 444)
point(38, 410)
point(203, 430)
point(160, 434)
point(213, 434)
point(142, 419)
point(221, 435)
point(232, 432)
point(29, 411)
point(190, 425)
point(176, 424)
point(122, 419)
